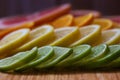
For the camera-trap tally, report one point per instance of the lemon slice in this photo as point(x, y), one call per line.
point(89, 35)
point(38, 37)
point(111, 36)
point(13, 40)
point(66, 36)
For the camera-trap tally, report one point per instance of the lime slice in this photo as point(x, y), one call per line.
point(13, 40)
point(111, 36)
point(78, 53)
point(44, 53)
point(89, 35)
point(112, 55)
point(114, 63)
point(65, 36)
point(21, 58)
point(38, 37)
point(60, 53)
point(96, 53)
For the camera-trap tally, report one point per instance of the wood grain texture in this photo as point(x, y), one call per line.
point(74, 75)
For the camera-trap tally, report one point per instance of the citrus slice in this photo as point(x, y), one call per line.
point(21, 58)
point(60, 53)
point(78, 53)
point(13, 40)
point(89, 35)
point(63, 21)
point(8, 30)
point(38, 37)
point(83, 20)
point(65, 36)
point(104, 23)
point(114, 63)
point(111, 36)
point(97, 52)
point(44, 53)
point(80, 12)
point(113, 54)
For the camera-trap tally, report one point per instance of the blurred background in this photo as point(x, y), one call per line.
point(17, 7)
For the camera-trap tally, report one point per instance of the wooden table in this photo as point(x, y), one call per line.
point(63, 75)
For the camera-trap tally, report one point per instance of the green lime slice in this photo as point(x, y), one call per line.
point(44, 53)
point(60, 53)
point(96, 53)
point(21, 58)
point(78, 53)
point(113, 54)
point(114, 63)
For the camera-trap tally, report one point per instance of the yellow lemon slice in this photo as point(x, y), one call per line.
point(105, 23)
point(89, 35)
point(111, 36)
point(65, 36)
point(38, 37)
point(13, 40)
point(65, 20)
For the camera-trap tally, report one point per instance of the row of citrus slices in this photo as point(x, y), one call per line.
point(25, 39)
point(53, 56)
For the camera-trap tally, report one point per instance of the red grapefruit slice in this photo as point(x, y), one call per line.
point(38, 17)
point(76, 13)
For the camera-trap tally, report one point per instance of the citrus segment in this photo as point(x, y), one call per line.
point(13, 40)
point(104, 23)
point(89, 35)
point(83, 20)
point(65, 20)
point(38, 37)
point(65, 36)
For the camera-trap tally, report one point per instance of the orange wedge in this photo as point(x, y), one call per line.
point(65, 20)
point(24, 25)
point(83, 20)
point(104, 23)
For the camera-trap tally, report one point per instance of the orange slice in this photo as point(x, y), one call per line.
point(65, 20)
point(104, 23)
point(24, 25)
point(83, 20)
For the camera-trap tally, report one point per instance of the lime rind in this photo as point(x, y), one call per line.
point(78, 53)
point(17, 60)
point(60, 53)
point(44, 53)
